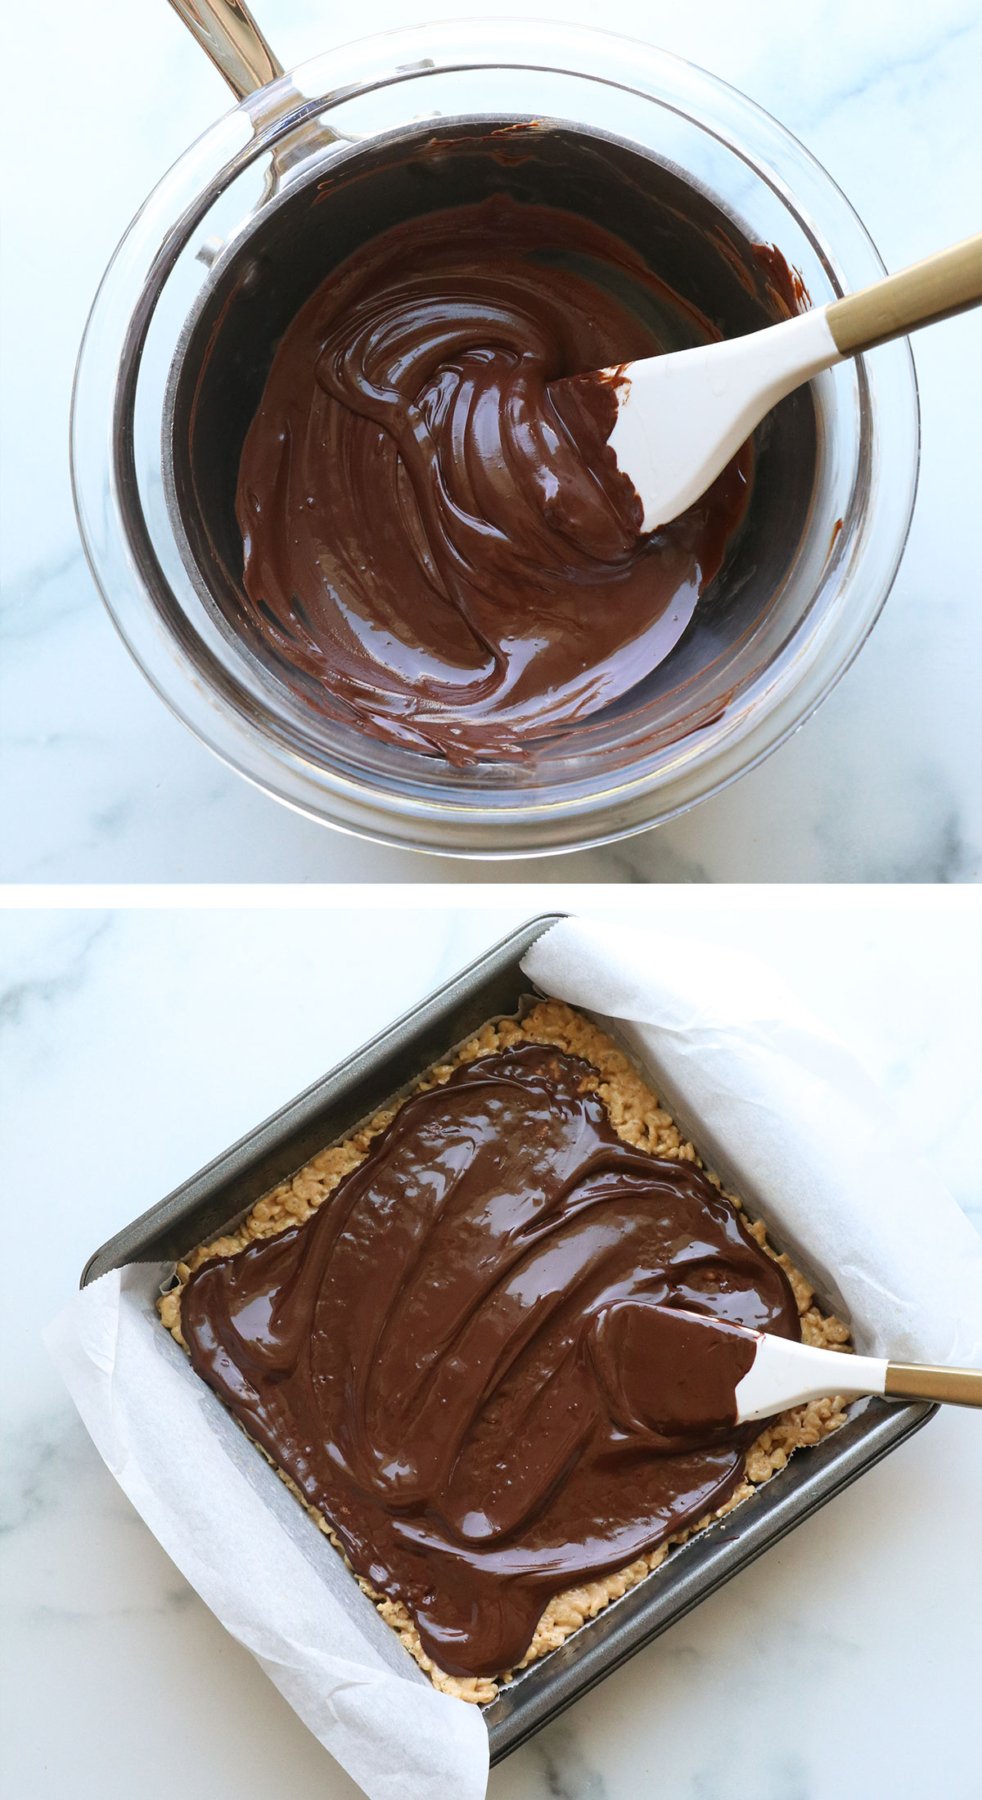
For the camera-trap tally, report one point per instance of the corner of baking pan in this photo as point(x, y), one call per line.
point(697, 1569)
point(124, 1245)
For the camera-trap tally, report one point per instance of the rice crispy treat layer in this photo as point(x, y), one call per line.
point(640, 1120)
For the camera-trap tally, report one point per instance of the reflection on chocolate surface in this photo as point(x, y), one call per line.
point(456, 1358)
point(432, 547)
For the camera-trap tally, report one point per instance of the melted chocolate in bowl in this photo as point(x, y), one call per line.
point(378, 496)
point(462, 1358)
point(455, 562)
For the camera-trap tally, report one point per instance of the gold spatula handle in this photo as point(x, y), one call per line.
point(936, 288)
point(921, 1381)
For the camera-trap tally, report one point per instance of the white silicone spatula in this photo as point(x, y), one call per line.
point(785, 1374)
point(682, 416)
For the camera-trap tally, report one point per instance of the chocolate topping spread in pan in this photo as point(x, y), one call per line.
point(441, 553)
point(456, 1358)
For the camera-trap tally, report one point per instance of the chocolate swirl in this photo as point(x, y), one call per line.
point(441, 554)
point(456, 1358)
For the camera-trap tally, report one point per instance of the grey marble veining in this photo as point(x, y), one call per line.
point(98, 781)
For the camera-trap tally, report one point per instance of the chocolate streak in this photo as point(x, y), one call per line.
point(463, 1361)
point(668, 1372)
point(456, 1358)
point(434, 549)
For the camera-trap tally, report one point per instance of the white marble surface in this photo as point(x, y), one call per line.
point(101, 784)
point(842, 1666)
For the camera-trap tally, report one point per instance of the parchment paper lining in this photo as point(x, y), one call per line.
point(640, 1118)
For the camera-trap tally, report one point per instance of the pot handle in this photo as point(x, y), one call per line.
point(229, 35)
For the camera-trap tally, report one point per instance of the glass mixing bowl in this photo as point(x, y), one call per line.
point(250, 220)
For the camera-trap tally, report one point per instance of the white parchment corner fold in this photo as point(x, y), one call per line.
point(787, 1115)
point(246, 1546)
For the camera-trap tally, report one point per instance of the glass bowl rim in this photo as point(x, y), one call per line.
point(468, 828)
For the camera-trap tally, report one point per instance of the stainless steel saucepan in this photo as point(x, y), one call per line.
point(303, 170)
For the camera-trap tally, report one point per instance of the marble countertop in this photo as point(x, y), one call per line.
point(100, 783)
point(137, 1044)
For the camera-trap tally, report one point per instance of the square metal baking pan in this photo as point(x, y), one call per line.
point(494, 987)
